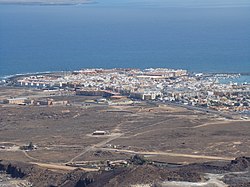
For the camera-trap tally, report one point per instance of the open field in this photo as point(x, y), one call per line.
point(63, 134)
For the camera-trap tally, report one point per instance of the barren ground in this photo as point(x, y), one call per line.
point(64, 133)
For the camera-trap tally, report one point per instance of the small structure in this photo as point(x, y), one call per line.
point(100, 133)
point(43, 102)
point(2, 147)
point(17, 101)
point(51, 102)
point(28, 147)
point(60, 103)
point(117, 163)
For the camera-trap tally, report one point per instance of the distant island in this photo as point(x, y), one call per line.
point(45, 2)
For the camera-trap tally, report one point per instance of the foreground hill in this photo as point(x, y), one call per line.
point(209, 173)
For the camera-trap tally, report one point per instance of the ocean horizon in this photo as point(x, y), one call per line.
point(208, 36)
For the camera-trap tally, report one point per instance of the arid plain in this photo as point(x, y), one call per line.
point(168, 133)
point(162, 133)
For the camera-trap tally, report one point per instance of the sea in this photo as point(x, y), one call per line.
point(197, 35)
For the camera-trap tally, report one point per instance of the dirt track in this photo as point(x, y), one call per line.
point(160, 131)
point(225, 122)
point(60, 167)
point(169, 154)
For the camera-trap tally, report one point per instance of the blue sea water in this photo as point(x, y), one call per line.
point(241, 80)
point(201, 36)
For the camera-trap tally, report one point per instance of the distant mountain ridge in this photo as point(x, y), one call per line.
point(45, 2)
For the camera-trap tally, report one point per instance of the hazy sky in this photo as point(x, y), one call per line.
point(157, 3)
point(182, 3)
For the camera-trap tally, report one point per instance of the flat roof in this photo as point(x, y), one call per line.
point(99, 132)
point(20, 98)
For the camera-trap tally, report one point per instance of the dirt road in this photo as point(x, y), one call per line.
point(60, 167)
point(169, 154)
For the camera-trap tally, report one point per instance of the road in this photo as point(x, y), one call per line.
point(168, 154)
point(53, 166)
point(100, 144)
point(217, 123)
point(228, 115)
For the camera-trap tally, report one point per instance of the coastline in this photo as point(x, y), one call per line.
point(18, 75)
point(14, 76)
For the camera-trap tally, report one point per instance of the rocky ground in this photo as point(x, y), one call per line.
point(235, 173)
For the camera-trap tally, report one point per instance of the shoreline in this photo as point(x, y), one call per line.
point(14, 76)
